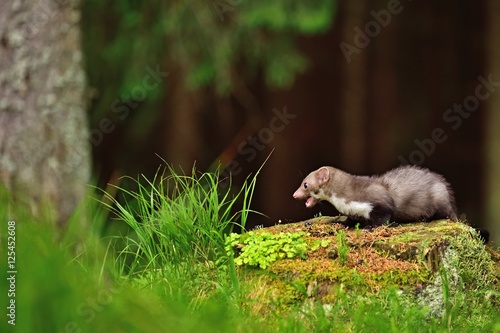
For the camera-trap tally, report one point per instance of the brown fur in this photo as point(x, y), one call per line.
point(404, 194)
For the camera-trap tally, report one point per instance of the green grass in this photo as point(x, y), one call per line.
point(169, 272)
point(178, 228)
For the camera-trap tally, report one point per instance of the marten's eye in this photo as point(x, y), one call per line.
point(306, 185)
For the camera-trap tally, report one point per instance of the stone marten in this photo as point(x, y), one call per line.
point(404, 194)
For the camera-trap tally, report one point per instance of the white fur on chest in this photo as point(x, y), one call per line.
point(352, 207)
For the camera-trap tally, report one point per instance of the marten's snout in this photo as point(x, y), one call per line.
point(298, 194)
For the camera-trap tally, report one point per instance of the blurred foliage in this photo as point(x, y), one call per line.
point(207, 42)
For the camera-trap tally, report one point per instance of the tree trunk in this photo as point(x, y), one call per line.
point(44, 159)
point(354, 77)
point(492, 143)
point(382, 91)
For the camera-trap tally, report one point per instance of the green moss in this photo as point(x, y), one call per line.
point(475, 267)
point(404, 258)
point(406, 279)
point(267, 293)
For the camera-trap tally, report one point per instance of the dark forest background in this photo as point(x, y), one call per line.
point(360, 104)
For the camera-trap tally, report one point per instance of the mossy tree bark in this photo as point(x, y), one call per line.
point(426, 262)
point(44, 159)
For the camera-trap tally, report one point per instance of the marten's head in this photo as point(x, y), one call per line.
point(311, 187)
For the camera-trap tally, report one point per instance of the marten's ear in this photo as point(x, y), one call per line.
point(323, 175)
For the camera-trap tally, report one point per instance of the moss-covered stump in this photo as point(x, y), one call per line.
point(285, 265)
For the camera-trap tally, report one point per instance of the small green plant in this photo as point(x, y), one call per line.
point(342, 247)
point(358, 233)
point(263, 248)
point(323, 243)
point(358, 230)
